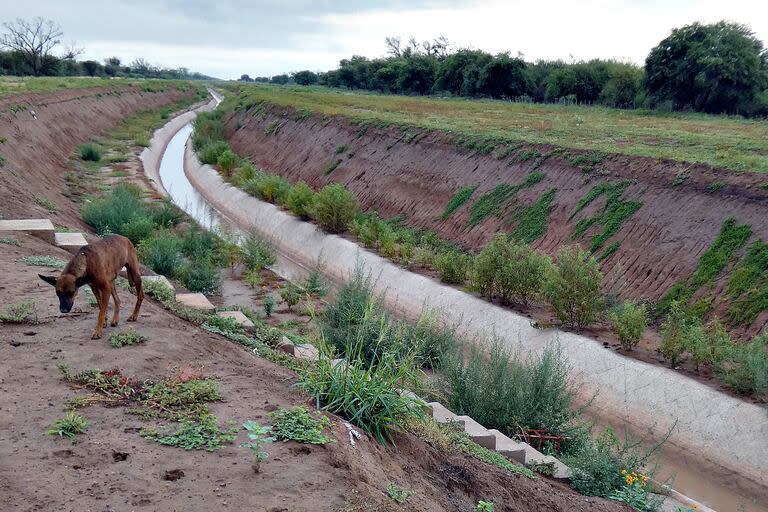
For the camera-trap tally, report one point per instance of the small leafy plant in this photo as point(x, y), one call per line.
point(204, 433)
point(291, 295)
point(629, 320)
point(89, 152)
point(269, 305)
point(42, 261)
point(484, 506)
point(258, 436)
point(68, 426)
point(125, 338)
point(297, 424)
point(398, 494)
point(20, 313)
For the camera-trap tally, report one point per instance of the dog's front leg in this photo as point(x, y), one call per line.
point(102, 297)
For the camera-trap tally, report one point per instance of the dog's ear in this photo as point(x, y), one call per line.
point(79, 265)
point(48, 279)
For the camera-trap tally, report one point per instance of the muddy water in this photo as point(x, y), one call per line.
point(689, 474)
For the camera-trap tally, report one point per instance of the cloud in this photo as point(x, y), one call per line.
point(226, 38)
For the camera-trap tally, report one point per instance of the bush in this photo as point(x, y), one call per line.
point(272, 188)
point(291, 295)
point(487, 263)
point(138, 229)
point(745, 368)
point(199, 244)
point(505, 390)
point(366, 394)
point(244, 173)
point(522, 273)
point(166, 215)
point(109, 213)
point(258, 253)
point(673, 333)
point(200, 276)
point(573, 287)
point(90, 152)
point(453, 266)
point(298, 425)
point(300, 200)
point(227, 161)
point(211, 151)
point(629, 321)
point(335, 207)
point(269, 305)
point(161, 252)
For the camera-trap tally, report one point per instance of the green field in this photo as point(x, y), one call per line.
point(720, 141)
point(10, 85)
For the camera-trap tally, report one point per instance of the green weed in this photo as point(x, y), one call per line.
point(494, 201)
point(204, 433)
point(20, 313)
point(458, 200)
point(47, 204)
point(68, 426)
point(258, 436)
point(10, 241)
point(534, 218)
point(612, 216)
point(297, 424)
point(398, 494)
point(126, 338)
point(43, 261)
point(89, 152)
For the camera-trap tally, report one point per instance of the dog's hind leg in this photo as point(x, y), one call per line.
point(102, 297)
point(116, 313)
point(134, 277)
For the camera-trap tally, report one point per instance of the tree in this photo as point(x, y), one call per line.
point(714, 68)
point(34, 40)
point(280, 79)
point(245, 78)
point(504, 77)
point(394, 46)
point(92, 68)
point(305, 77)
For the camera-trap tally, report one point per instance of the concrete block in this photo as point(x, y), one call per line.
point(534, 456)
point(237, 316)
point(307, 351)
point(477, 432)
point(440, 414)
point(41, 228)
point(158, 279)
point(194, 301)
point(509, 448)
point(70, 241)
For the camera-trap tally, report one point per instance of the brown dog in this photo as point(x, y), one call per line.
point(97, 265)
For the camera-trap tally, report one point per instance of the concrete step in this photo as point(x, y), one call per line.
point(509, 448)
point(306, 351)
point(238, 317)
point(440, 413)
point(194, 301)
point(70, 241)
point(158, 279)
point(477, 432)
point(534, 456)
point(41, 228)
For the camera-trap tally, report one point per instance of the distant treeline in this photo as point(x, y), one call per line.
point(17, 64)
point(717, 68)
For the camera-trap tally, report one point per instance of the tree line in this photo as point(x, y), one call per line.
point(27, 49)
point(714, 68)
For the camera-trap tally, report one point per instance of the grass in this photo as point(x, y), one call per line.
point(10, 241)
point(47, 204)
point(20, 313)
point(534, 219)
point(720, 141)
point(748, 285)
point(332, 166)
point(732, 237)
point(611, 217)
point(458, 200)
point(11, 85)
point(126, 338)
point(43, 261)
point(612, 248)
point(297, 424)
point(494, 201)
point(68, 426)
point(398, 494)
point(204, 433)
point(89, 152)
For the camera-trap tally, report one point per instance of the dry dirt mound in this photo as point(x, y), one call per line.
point(113, 468)
point(35, 149)
point(676, 209)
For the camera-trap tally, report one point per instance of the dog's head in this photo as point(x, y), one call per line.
point(67, 284)
point(66, 289)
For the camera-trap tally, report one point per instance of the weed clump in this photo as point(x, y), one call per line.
point(457, 201)
point(20, 313)
point(126, 338)
point(453, 266)
point(629, 320)
point(42, 261)
point(89, 152)
point(204, 433)
point(68, 426)
point(300, 200)
point(397, 494)
point(257, 252)
point(335, 207)
point(297, 424)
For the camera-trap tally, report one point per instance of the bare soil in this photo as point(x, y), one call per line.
point(112, 468)
point(660, 244)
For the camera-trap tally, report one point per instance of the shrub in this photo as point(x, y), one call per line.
point(297, 424)
point(109, 213)
point(227, 161)
point(165, 214)
point(211, 151)
point(452, 266)
point(629, 320)
point(673, 333)
point(745, 368)
point(258, 252)
point(161, 252)
point(291, 295)
point(521, 274)
point(314, 284)
point(487, 263)
point(300, 200)
point(89, 152)
point(366, 394)
point(505, 390)
point(335, 207)
point(200, 276)
point(138, 229)
point(244, 173)
point(269, 305)
point(199, 244)
point(573, 287)
point(272, 188)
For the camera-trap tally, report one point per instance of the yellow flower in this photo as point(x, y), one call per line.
point(623, 471)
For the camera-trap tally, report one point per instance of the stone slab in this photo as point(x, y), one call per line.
point(534, 456)
point(159, 279)
point(477, 432)
point(306, 351)
point(237, 316)
point(440, 413)
point(509, 448)
point(41, 228)
point(194, 301)
point(70, 241)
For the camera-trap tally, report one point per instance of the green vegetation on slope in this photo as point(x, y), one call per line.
point(534, 218)
point(748, 286)
point(612, 216)
point(686, 137)
point(458, 200)
point(494, 201)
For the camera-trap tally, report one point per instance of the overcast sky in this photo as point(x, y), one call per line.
point(226, 38)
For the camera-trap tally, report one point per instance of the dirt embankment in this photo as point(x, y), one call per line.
point(396, 173)
point(35, 148)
